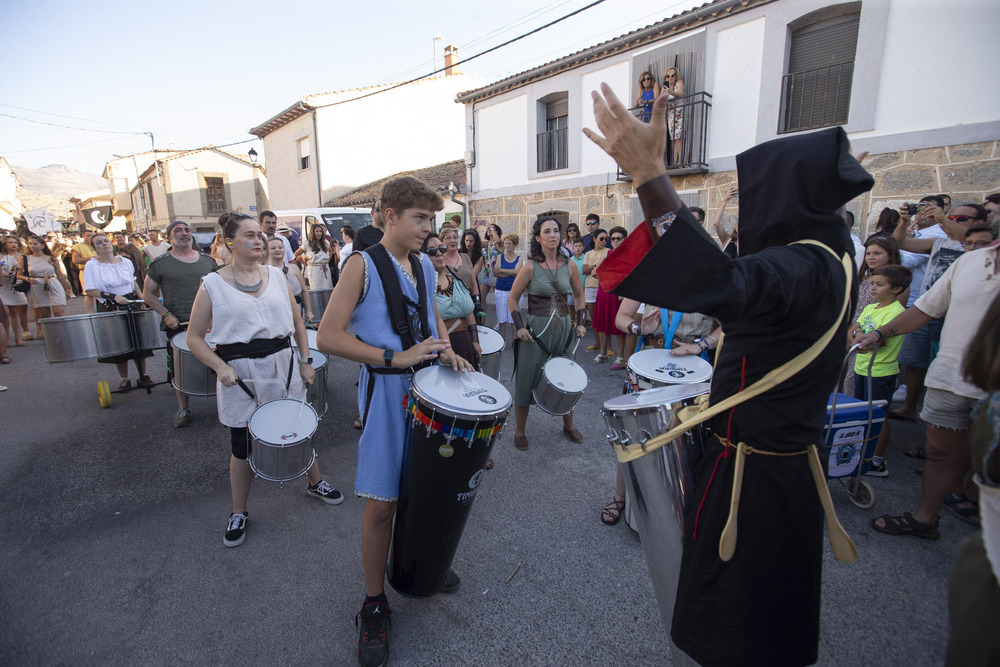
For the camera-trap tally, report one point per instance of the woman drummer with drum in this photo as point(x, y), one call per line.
point(111, 281)
point(547, 278)
point(252, 315)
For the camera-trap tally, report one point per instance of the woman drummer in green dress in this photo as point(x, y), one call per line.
point(547, 279)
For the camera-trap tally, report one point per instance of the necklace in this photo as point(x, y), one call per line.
point(249, 289)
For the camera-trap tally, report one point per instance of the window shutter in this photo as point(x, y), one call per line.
point(557, 108)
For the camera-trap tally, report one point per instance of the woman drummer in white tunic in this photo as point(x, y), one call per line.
point(251, 315)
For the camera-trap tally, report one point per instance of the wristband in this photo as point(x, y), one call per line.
point(702, 344)
point(474, 334)
point(164, 315)
point(107, 296)
point(713, 339)
point(515, 316)
point(881, 336)
point(581, 317)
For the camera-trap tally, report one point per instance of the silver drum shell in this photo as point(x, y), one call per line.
point(79, 337)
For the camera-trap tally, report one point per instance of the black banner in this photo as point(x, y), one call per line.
point(99, 217)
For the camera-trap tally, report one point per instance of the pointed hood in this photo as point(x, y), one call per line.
point(793, 188)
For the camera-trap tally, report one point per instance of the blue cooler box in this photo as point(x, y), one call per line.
point(850, 434)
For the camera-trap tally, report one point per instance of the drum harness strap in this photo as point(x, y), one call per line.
point(258, 348)
point(843, 548)
point(398, 305)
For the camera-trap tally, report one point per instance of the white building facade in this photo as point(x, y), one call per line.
point(197, 187)
point(328, 144)
point(753, 70)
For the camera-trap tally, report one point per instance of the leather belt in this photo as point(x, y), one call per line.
point(463, 325)
point(543, 305)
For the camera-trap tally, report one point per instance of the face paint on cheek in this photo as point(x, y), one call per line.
point(248, 245)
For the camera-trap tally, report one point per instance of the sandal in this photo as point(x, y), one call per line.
point(915, 453)
point(969, 514)
point(27, 336)
point(600, 357)
point(124, 385)
point(521, 442)
point(612, 512)
point(574, 434)
point(618, 364)
point(906, 525)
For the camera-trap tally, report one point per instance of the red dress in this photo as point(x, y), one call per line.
point(605, 311)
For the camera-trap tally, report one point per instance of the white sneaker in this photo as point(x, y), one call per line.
point(900, 394)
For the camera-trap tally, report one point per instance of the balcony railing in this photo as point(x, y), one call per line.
point(553, 150)
point(690, 115)
point(816, 98)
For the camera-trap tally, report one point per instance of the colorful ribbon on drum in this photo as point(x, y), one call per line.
point(484, 433)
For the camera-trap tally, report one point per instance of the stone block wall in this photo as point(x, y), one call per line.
point(967, 172)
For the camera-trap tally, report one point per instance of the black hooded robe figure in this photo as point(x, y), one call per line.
point(761, 607)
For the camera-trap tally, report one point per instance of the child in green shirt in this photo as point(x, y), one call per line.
point(887, 282)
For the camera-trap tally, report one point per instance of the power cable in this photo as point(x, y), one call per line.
point(463, 60)
point(68, 127)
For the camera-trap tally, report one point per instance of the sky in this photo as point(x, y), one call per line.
point(204, 72)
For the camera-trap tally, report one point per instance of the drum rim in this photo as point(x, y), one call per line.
point(631, 366)
point(302, 405)
point(451, 411)
point(629, 401)
point(83, 316)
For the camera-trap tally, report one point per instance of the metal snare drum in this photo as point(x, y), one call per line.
point(191, 377)
point(281, 434)
point(453, 421)
point(148, 334)
point(79, 337)
point(316, 392)
point(661, 482)
point(649, 369)
point(559, 386)
point(318, 300)
point(492, 344)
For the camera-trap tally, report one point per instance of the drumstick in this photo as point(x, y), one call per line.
point(727, 543)
point(843, 547)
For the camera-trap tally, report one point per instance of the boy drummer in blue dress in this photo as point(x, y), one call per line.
point(361, 301)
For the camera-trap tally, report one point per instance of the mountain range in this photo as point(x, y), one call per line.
point(53, 185)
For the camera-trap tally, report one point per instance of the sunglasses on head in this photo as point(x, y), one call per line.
point(431, 252)
point(961, 218)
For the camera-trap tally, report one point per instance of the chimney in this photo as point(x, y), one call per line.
point(451, 60)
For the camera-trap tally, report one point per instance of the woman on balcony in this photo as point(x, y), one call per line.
point(673, 87)
point(648, 91)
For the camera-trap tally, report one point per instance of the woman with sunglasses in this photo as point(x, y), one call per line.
point(491, 251)
point(605, 311)
point(673, 88)
point(591, 260)
point(454, 302)
point(649, 90)
point(572, 235)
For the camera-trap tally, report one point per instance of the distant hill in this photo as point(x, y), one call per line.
point(53, 185)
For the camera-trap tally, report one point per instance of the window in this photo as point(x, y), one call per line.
point(303, 150)
point(816, 90)
point(553, 147)
point(215, 193)
point(562, 217)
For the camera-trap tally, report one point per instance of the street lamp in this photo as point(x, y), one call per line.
point(253, 155)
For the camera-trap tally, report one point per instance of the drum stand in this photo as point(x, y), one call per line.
point(104, 390)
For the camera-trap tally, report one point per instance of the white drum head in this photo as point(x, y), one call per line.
point(312, 339)
point(662, 367)
point(565, 374)
point(490, 341)
point(180, 341)
point(283, 421)
point(319, 359)
point(469, 394)
point(659, 396)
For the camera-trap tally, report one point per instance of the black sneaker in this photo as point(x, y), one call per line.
point(373, 638)
point(326, 493)
point(880, 470)
point(451, 582)
point(236, 531)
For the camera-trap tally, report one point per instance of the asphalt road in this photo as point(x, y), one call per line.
point(111, 527)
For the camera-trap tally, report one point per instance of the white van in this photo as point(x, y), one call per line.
point(333, 218)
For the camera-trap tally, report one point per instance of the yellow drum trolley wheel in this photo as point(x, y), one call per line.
point(104, 393)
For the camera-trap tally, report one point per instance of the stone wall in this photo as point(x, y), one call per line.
point(967, 172)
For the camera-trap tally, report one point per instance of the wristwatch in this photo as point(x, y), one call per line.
point(307, 360)
point(633, 328)
point(387, 357)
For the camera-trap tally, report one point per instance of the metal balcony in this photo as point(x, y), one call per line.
point(692, 110)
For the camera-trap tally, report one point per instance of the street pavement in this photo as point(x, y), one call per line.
point(111, 527)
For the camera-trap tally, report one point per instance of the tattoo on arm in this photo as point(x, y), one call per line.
point(892, 331)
